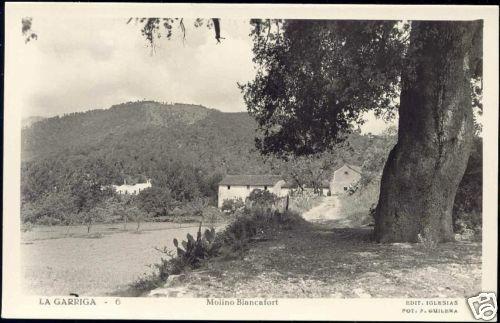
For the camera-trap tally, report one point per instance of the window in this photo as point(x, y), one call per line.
point(229, 187)
point(248, 187)
point(346, 173)
point(345, 188)
point(265, 188)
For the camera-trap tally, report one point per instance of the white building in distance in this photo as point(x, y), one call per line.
point(240, 186)
point(344, 177)
point(131, 189)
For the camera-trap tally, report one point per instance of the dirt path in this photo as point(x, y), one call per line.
point(328, 213)
point(327, 210)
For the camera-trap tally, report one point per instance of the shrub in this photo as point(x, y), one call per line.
point(468, 225)
point(232, 205)
point(255, 223)
point(212, 215)
point(191, 253)
point(262, 198)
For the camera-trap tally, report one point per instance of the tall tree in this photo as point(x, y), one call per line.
point(316, 78)
point(436, 128)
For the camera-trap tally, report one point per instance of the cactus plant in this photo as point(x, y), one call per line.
point(193, 252)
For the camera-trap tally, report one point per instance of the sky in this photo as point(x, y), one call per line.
point(93, 63)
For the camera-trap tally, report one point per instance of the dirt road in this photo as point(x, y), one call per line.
point(328, 210)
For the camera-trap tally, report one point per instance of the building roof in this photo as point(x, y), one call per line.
point(254, 180)
point(289, 185)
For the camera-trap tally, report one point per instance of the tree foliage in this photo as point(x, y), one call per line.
point(26, 29)
point(316, 78)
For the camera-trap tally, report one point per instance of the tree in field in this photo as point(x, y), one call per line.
point(119, 205)
point(156, 201)
point(137, 215)
point(89, 217)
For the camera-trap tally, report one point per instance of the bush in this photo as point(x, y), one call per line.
point(262, 198)
point(191, 253)
point(232, 205)
point(254, 224)
point(468, 225)
point(212, 215)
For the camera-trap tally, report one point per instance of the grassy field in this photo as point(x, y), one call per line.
point(105, 262)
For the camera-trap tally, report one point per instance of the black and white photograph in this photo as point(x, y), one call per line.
point(247, 161)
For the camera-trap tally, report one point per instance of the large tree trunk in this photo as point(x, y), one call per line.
point(424, 169)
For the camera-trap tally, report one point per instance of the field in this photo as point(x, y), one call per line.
point(98, 264)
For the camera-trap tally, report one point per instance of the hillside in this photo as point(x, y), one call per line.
point(136, 135)
point(89, 129)
point(141, 139)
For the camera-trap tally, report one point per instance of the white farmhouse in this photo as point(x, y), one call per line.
point(131, 189)
point(240, 186)
point(344, 177)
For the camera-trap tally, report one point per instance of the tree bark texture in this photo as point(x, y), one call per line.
point(423, 171)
